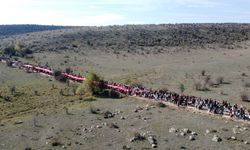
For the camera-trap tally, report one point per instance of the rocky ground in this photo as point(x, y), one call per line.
point(127, 123)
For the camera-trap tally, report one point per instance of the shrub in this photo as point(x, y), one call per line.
point(9, 51)
point(244, 97)
point(13, 90)
point(203, 72)
point(200, 86)
point(244, 74)
point(18, 46)
point(220, 80)
point(247, 84)
point(93, 85)
point(160, 104)
point(110, 93)
point(68, 70)
point(58, 76)
point(181, 88)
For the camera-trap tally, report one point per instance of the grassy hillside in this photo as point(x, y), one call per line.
point(6, 30)
point(135, 37)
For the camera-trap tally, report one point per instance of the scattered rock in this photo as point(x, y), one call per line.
point(245, 128)
point(55, 142)
point(138, 108)
point(137, 137)
point(225, 129)
point(186, 130)
point(210, 131)
point(98, 126)
point(194, 133)
point(183, 134)
point(123, 118)
point(152, 141)
point(147, 107)
point(126, 147)
point(246, 142)
point(207, 131)
point(64, 147)
point(145, 118)
point(235, 131)
point(108, 114)
point(112, 125)
point(84, 129)
point(173, 130)
point(117, 111)
point(191, 138)
point(216, 138)
point(233, 138)
point(18, 122)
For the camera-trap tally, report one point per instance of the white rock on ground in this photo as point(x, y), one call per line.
point(182, 133)
point(216, 138)
point(194, 133)
point(186, 130)
point(172, 130)
point(233, 138)
point(191, 138)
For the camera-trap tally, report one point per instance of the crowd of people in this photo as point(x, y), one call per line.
point(181, 100)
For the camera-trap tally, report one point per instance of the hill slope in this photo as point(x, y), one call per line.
point(6, 30)
point(134, 37)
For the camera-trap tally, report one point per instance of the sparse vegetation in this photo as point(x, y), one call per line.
point(244, 97)
point(181, 88)
point(203, 72)
point(93, 85)
point(220, 80)
point(160, 104)
point(134, 37)
point(200, 85)
point(121, 119)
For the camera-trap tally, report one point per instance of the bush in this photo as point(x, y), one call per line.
point(110, 93)
point(243, 74)
point(93, 85)
point(247, 84)
point(160, 104)
point(203, 72)
point(181, 88)
point(200, 86)
point(244, 97)
point(68, 70)
point(9, 51)
point(220, 80)
point(58, 76)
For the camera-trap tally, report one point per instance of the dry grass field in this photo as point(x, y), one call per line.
point(39, 116)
